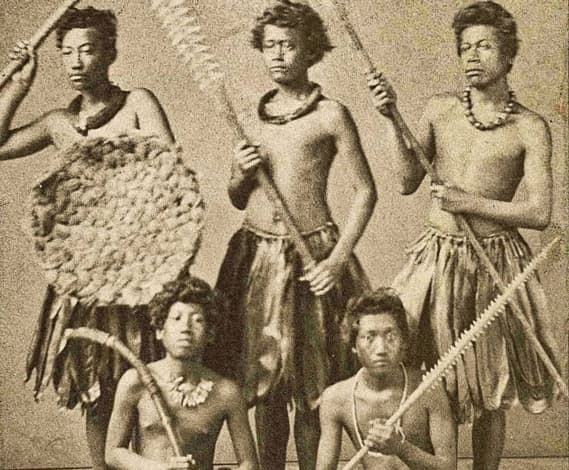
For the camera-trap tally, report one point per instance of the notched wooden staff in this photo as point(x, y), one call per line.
point(41, 34)
point(465, 341)
point(460, 218)
point(187, 37)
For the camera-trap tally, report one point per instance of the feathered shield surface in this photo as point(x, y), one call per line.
point(117, 220)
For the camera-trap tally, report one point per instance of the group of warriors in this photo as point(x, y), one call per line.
point(273, 333)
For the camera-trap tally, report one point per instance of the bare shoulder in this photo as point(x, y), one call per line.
point(434, 397)
point(338, 395)
point(529, 122)
point(55, 117)
point(141, 97)
point(227, 389)
point(440, 104)
point(333, 111)
point(130, 385)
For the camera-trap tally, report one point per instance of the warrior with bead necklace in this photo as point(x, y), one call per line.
point(483, 144)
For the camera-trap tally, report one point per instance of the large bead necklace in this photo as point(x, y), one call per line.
point(307, 105)
point(499, 121)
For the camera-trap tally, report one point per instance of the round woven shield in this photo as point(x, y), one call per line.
point(116, 220)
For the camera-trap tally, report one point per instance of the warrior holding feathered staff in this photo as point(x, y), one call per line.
point(86, 39)
point(283, 337)
point(483, 143)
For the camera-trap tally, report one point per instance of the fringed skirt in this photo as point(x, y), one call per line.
point(444, 287)
point(82, 371)
point(276, 335)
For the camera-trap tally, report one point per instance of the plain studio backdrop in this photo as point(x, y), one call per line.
point(411, 42)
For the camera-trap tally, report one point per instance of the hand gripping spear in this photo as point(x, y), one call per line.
point(461, 219)
point(37, 39)
point(188, 39)
point(462, 344)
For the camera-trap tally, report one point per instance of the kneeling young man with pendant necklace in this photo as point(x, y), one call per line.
point(483, 144)
point(425, 438)
point(199, 400)
point(283, 339)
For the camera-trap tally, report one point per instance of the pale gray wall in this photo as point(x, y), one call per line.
point(411, 42)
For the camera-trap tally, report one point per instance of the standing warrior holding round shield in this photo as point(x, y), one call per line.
point(86, 375)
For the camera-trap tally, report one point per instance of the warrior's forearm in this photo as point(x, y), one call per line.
point(239, 190)
point(124, 459)
point(405, 163)
point(359, 215)
point(524, 214)
point(416, 458)
point(10, 98)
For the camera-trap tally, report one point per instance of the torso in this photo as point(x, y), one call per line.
point(300, 154)
point(488, 163)
point(198, 427)
point(63, 133)
point(415, 422)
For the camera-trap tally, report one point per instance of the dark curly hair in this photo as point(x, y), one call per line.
point(490, 14)
point(382, 300)
point(186, 289)
point(104, 21)
point(288, 14)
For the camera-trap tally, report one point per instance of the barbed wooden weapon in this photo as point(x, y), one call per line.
point(460, 218)
point(190, 42)
point(36, 40)
point(465, 341)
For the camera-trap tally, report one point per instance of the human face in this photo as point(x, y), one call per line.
point(285, 54)
point(85, 60)
point(379, 343)
point(184, 332)
point(482, 59)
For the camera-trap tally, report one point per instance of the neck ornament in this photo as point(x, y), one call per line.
point(84, 124)
point(307, 105)
point(500, 119)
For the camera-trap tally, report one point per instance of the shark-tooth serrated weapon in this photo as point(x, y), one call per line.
point(462, 221)
point(465, 341)
point(190, 43)
point(100, 337)
point(36, 40)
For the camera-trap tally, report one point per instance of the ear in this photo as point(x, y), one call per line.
point(159, 334)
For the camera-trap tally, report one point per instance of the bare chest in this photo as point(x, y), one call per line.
point(471, 158)
point(200, 424)
point(64, 132)
point(366, 409)
point(300, 145)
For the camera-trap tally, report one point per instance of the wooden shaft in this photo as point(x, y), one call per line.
point(271, 190)
point(464, 224)
point(36, 40)
point(464, 342)
point(144, 373)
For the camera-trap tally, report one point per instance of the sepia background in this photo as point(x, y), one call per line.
point(412, 44)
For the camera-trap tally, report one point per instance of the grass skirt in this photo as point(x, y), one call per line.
point(276, 335)
point(444, 288)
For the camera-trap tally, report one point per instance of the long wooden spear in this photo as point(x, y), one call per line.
point(188, 39)
point(462, 344)
point(461, 219)
point(36, 40)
